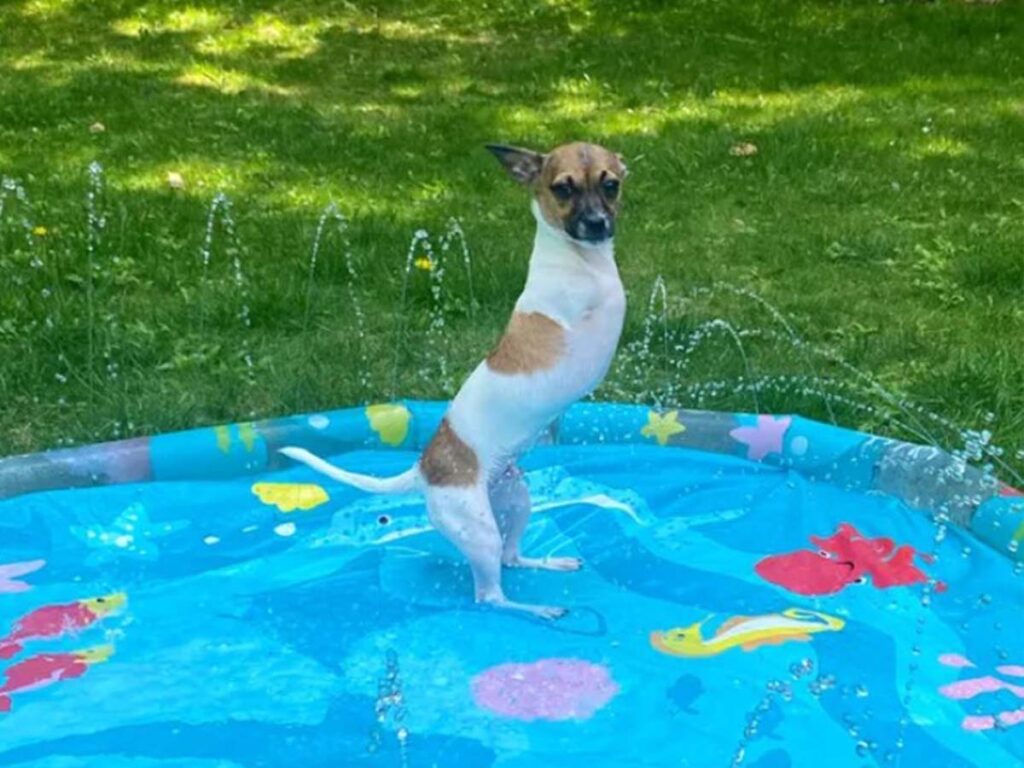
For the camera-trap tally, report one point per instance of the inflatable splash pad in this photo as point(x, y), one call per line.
point(758, 591)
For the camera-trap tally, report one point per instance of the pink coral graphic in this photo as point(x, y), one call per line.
point(955, 660)
point(764, 438)
point(978, 686)
point(549, 689)
point(968, 689)
point(988, 722)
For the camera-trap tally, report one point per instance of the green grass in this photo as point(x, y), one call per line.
point(883, 213)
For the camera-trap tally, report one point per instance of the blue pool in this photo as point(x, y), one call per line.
point(759, 591)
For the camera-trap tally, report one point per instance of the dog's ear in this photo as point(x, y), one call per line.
point(622, 163)
point(523, 165)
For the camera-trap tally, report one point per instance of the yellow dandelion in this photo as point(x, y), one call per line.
point(175, 180)
point(424, 263)
point(39, 231)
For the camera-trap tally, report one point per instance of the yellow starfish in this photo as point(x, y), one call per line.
point(662, 426)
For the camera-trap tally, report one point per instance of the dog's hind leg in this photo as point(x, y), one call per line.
point(463, 515)
point(510, 501)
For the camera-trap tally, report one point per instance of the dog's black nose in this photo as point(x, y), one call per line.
point(593, 226)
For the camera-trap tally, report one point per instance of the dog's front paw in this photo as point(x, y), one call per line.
point(550, 612)
point(562, 563)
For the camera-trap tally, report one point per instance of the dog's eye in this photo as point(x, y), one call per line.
point(611, 188)
point(562, 190)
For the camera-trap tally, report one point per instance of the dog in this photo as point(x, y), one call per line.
point(556, 349)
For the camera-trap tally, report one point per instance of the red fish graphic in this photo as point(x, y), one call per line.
point(47, 669)
point(844, 558)
point(56, 620)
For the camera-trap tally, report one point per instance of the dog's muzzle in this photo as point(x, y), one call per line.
point(592, 227)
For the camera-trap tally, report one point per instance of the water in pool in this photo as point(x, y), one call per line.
point(750, 598)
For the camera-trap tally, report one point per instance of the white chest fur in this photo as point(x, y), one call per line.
point(499, 414)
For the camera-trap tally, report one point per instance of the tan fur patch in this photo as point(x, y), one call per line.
point(532, 342)
point(448, 460)
point(585, 166)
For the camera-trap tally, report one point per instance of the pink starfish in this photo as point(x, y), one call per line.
point(764, 438)
point(9, 571)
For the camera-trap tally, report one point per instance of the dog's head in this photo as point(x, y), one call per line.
point(578, 186)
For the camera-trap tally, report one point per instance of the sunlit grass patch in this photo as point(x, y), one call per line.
point(941, 146)
point(268, 32)
point(229, 81)
point(188, 19)
point(41, 10)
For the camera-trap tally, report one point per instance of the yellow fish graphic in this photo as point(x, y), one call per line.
point(747, 632)
point(390, 421)
point(288, 497)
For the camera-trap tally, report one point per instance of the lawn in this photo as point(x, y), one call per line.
point(831, 192)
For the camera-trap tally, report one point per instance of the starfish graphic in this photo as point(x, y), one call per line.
point(132, 534)
point(763, 438)
point(662, 426)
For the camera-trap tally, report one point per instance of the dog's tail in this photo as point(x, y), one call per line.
point(410, 480)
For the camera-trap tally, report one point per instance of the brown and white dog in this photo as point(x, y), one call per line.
point(556, 349)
